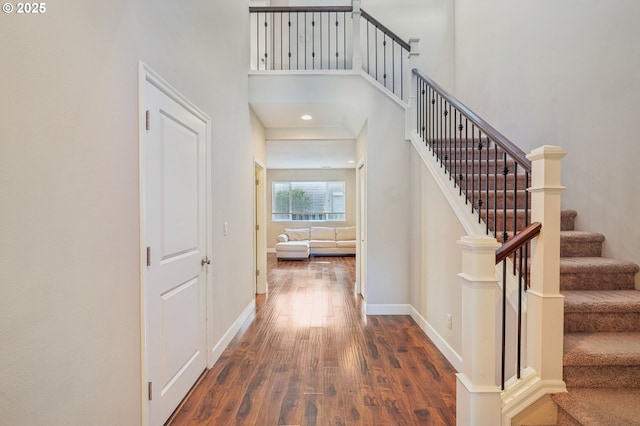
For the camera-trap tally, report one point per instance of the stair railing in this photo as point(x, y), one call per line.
point(518, 248)
point(493, 175)
point(386, 54)
point(327, 38)
point(481, 161)
point(301, 38)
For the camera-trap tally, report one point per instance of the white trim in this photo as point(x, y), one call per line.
point(222, 344)
point(525, 392)
point(389, 309)
point(449, 353)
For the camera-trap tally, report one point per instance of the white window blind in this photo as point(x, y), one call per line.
point(308, 201)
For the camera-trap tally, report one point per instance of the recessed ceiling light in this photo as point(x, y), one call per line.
point(306, 117)
point(350, 161)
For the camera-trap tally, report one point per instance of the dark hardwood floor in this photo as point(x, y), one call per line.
point(310, 357)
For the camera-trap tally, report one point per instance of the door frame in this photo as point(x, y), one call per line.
point(361, 229)
point(260, 227)
point(147, 75)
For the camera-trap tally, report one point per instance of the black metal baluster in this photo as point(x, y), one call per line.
point(313, 40)
point(449, 139)
point(344, 40)
point(401, 75)
point(525, 269)
point(423, 114)
point(495, 190)
point(455, 147)
point(273, 42)
point(266, 41)
point(289, 20)
point(337, 40)
point(438, 137)
point(384, 60)
point(505, 173)
point(368, 50)
point(281, 32)
point(466, 160)
point(297, 43)
point(305, 40)
point(487, 187)
point(462, 152)
point(419, 106)
point(480, 200)
point(321, 42)
point(376, 43)
point(473, 169)
point(393, 67)
point(515, 206)
point(257, 41)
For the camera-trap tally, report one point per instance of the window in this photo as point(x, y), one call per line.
point(308, 201)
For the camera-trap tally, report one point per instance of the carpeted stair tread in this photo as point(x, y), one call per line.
point(602, 349)
point(601, 406)
point(596, 264)
point(581, 236)
point(601, 301)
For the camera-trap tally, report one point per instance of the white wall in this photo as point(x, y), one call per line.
point(69, 219)
point(436, 258)
point(563, 73)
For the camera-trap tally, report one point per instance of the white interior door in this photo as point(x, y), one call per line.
point(174, 190)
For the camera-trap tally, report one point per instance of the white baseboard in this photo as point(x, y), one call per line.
point(452, 356)
point(222, 344)
point(405, 309)
point(382, 309)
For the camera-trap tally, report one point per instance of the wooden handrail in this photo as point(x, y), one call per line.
point(520, 239)
point(385, 30)
point(504, 143)
point(282, 9)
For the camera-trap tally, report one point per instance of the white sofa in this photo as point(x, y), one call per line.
point(316, 240)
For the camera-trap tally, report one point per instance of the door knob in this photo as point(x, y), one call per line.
point(205, 261)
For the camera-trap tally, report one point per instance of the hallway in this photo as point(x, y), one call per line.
point(310, 357)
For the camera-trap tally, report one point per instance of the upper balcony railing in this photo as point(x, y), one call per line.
point(328, 38)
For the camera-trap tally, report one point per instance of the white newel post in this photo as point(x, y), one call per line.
point(478, 396)
point(410, 86)
point(356, 63)
point(545, 304)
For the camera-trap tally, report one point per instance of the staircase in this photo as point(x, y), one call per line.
point(602, 333)
point(602, 307)
point(601, 361)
